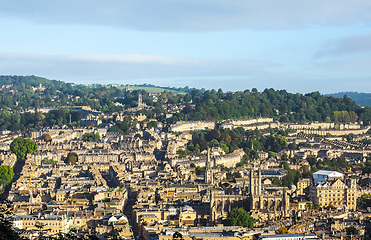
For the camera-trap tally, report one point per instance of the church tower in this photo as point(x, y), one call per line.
point(252, 182)
point(255, 187)
point(209, 178)
point(140, 103)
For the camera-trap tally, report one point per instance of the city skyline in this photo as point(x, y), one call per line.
point(298, 46)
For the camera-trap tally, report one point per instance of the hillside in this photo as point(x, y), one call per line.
point(363, 99)
point(20, 96)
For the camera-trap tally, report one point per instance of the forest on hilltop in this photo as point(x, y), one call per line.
point(18, 93)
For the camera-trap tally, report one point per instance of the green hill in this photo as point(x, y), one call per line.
point(363, 99)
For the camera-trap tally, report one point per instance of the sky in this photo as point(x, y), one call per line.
point(301, 46)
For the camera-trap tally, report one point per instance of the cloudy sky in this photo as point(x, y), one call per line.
point(301, 46)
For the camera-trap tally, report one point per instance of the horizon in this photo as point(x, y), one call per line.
point(259, 90)
point(304, 46)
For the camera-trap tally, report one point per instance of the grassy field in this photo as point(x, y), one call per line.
point(151, 89)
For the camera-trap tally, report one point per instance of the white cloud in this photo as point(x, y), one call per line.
point(167, 71)
point(191, 15)
point(345, 46)
point(124, 58)
point(113, 67)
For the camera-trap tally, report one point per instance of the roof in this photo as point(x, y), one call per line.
point(288, 236)
point(327, 173)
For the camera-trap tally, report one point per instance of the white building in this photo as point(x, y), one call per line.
point(289, 236)
point(323, 176)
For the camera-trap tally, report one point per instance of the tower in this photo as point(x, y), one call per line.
point(209, 178)
point(259, 183)
point(284, 202)
point(252, 182)
point(140, 100)
point(255, 188)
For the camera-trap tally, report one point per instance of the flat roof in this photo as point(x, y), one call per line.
point(326, 172)
point(278, 236)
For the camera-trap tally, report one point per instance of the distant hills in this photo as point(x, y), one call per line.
point(363, 99)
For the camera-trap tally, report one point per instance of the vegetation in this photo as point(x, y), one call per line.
point(185, 89)
point(121, 127)
point(49, 161)
point(366, 166)
point(177, 236)
point(365, 201)
point(239, 217)
point(19, 93)
point(182, 153)
point(276, 182)
point(363, 99)
point(231, 139)
point(91, 137)
point(200, 170)
point(72, 158)
point(6, 227)
point(313, 205)
point(6, 176)
point(282, 230)
point(333, 164)
point(292, 177)
point(21, 147)
point(152, 124)
point(47, 137)
point(217, 105)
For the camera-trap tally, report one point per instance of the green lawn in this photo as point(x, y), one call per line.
point(151, 89)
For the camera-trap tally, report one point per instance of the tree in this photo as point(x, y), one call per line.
point(286, 165)
point(292, 177)
point(239, 217)
point(177, 236)
point(351, 231)
point(282, 230)
point(6, 176)
point(91, 137)
point(284, 157)
point(6, 227)
point(152, 124)
point(213, 134)
point(276, 182)
point(182, 153)
point(21, 147)
point(365, 201)
point(47, 137)
point(292, 146)
point(72, 157)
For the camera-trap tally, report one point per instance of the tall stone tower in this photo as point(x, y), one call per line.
point(209, 178)
point(140, 101)
point(255, 187)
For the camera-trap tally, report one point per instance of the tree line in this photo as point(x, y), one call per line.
point(19, 93)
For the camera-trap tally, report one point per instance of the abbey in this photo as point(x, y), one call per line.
point(274, 199)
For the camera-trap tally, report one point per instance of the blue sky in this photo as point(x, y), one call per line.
point(301, 46)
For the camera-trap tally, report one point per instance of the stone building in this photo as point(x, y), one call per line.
point(337, 193)
point(191, 126)
point(273, 199)
point(52, 224)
